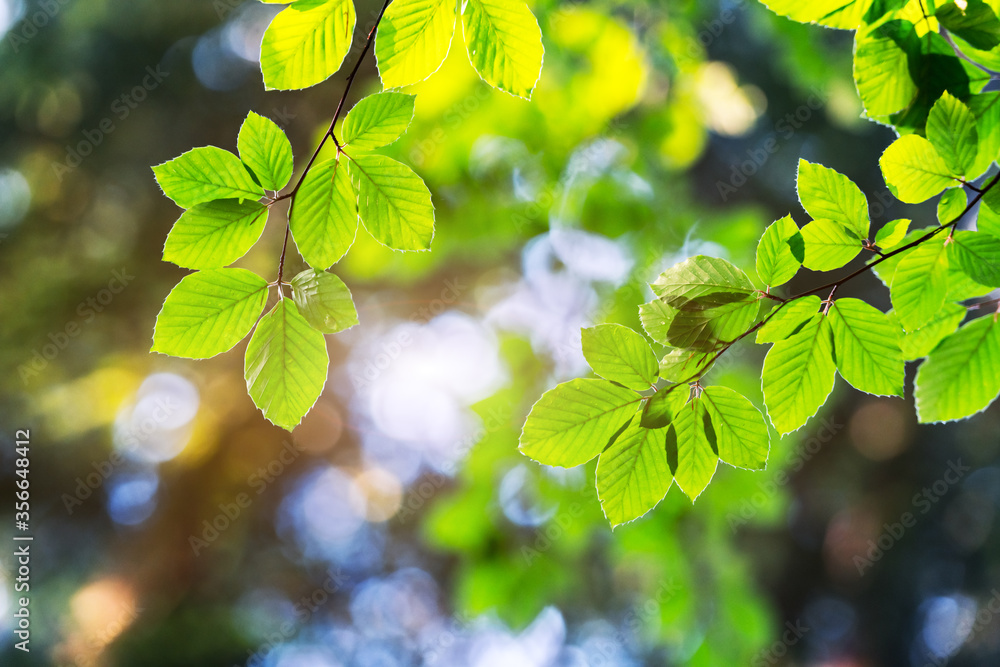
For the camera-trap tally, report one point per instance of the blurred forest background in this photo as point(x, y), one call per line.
point(399, 525)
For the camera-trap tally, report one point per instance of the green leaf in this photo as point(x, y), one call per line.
point(914, 171)
point(393, 202)
point(987, 220)
point(656, 318)
point(866, 348)
point(986, 109)
point(306, 43)
point(892, 233)
point(573, 423)
point(740, 429)
point(960, 378)
point(829, 245)
point(991, 198)
point(324, 216)
point(698, 277)
point(978, 253)
point(885, 268)
point(621, 355)
point(973, 21)
point(266, 150)
point(504, 44)
point(845, 14)
point(830, 195)
point(798, 375)
point(377, 120)
point(286, 365)
point(789, 319)
point(918, 344)
point(204, 174)
point(920, 284)
point(681, 365)
point(951, 205)
point(324, 301)
point(413, 40)
point(780, 252)
point(658, 409)
point(961, 286)
point(708, 323)
point(696, 459)
point(209, 312)
point(951, 129)
point(882, 75)
point(934, 67)
point(215, 234)
point(633, 475)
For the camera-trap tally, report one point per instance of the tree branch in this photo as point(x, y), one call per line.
point(329, 134)
point(832, 286)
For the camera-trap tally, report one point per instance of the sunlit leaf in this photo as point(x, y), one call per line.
point(866, 348)
point(324, 217)
point(914, 171)
point(504, 44)
point(656, 318)
point(789, 319)
point(882, 74)
point(573, 423)
point(951, 129)
point(780, 252)
point(828, 194)
point(891, 234)
point(682, 365)
point(204, 174)
point(828, 245)
point(988, 220)
point(920, 284)
point(799, 374)
point(972, 20)
point(633, 475)
point(413, 40)
point(696, 460)
point(394, 204)
point(621, 355)
point(959, 377)
point(377, 120)
point(209, 312)
point(266, 150)
point(918, 344)
point(700, 277)
point(658, 409)
point(306, 43)
point(215, 234)
point(708, 323)
point(832, 13)
point(978, 253)
point(324, 301)
point(740, 430)
point(286, 365)
point(986, 108)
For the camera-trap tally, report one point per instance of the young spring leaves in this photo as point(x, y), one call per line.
point(502, 37)
point(387, 196)
point(213, 309)
point(228, 197)
point(648, 434)
point(584, 418)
